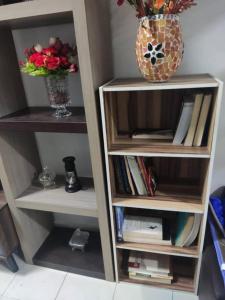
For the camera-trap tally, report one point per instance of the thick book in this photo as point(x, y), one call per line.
point(150, 279)
point(184, 121)
point(202, 120)
point(194, 120)
point(145, 134)
point(145, 227)
point(119, 213)
point(136, 175)
point(184, 227)
point(151, 263)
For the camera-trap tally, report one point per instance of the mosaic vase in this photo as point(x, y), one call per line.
point(57, 88)
point(159, 47)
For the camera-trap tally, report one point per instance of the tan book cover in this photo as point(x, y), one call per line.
point(194, 120)
point(202, 120)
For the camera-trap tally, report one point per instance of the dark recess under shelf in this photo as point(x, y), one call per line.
point(55, 253)
point(41, 119)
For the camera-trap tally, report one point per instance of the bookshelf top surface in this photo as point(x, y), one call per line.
point(176, 82)
point(36, 13)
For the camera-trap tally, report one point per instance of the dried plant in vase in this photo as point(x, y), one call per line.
point(159, 44)
point(54, 63)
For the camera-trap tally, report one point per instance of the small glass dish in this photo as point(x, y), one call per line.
point(47, 178)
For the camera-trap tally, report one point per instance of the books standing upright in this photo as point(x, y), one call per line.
point(184, 122)
point(194, 120)
point(202, 120)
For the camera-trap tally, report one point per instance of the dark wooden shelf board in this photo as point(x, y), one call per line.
point(41, 119)
point(55, 253)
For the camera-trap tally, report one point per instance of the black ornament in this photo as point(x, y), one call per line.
point(72, 184)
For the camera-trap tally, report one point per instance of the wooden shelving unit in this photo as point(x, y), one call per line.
point(184, 172)
point(31, 206)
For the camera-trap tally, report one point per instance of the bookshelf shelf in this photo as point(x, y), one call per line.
point(82, 203)
point(160, 249)
point(177, 82)
point(184, 174)
point(163, 151)
point(41, 119)
point(181, 283)
point(185, 204)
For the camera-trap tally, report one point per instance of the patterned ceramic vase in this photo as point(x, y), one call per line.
point(159, 47)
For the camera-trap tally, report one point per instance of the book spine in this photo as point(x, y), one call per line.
point(119, 179)
point(124, 176)
point(119, 211)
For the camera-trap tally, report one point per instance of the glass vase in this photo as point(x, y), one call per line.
point(57, 88)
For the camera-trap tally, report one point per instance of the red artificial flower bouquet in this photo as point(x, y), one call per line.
point(58, 59)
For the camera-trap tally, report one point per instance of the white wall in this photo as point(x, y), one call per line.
point(203, 34)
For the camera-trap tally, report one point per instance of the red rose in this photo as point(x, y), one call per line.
point(37, 59)
point(73, 68)
point(120, 2)
point(51, 51)
point(66, 49)
point(52, 63)
point(64, 61)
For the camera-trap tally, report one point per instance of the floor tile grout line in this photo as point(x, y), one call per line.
point(6, 289)
point(114, 292)
point(61, 285)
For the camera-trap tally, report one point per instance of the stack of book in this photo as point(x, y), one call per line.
point(139, 229)
point(193, 124)
point(157, 231)
point(150, 267)
point(134, 176)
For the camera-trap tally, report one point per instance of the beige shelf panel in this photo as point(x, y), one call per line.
point(177, 82)
point(160, 249)
point(160, 151)
point(159, 203)
point(36, 13)
point(82, 203)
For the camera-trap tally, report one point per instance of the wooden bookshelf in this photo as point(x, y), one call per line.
point(184, 173)
point(20, 157)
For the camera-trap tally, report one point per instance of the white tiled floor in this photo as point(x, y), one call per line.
point(36, 283)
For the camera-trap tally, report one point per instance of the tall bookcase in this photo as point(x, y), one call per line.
point(33, 208)
point(185, 172)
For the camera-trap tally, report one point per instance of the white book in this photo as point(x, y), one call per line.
point(137, 177)
point(184, 122)
point(142, 227)
point(149, 262)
